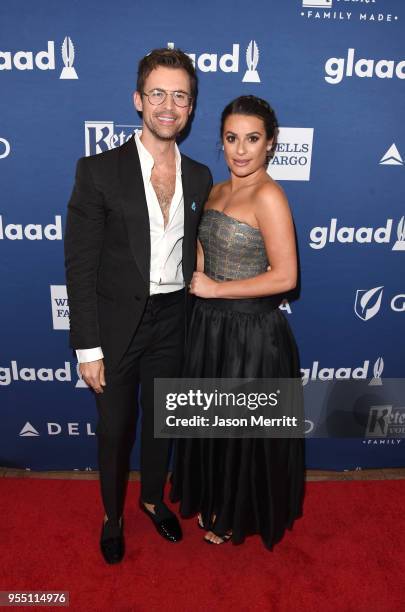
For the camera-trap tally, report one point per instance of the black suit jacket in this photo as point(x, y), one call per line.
point(107, 245)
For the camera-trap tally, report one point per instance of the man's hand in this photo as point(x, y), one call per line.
point(93, 374)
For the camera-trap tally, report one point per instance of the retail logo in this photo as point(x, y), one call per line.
point(368, 302)
point(100, 136)
point(360, 10)
point(392, 157)
point(60, 307)
point(315, 372)
point(15, 373)
point(320, 236)
point(336, 68)
point(293, 155)
point(56, 429)
point(31, 231)
point(4, 148)
point(42, 60)
point(228, 62)
point(385, 421)
point(28, 431)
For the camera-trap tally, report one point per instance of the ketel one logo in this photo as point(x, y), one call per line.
point(42, 60)
point(368, 302)
point(386, 421)
point(100, 136)
point(316, 3)
point(228, 62)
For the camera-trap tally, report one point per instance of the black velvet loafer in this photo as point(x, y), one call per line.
point(165, 522)
point(112, 543)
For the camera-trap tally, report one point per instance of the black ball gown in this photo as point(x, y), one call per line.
point(252, 485)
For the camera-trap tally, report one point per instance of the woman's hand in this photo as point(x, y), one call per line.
point(203, 286)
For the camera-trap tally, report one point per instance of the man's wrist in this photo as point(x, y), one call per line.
point(87, 355)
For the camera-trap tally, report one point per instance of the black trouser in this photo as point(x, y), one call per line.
point(156, 351)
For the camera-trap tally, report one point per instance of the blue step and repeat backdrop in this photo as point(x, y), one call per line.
point(334, 70)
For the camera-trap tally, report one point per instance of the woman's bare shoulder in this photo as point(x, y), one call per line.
point(217, 191)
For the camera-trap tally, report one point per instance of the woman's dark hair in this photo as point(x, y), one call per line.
point(253, 106)
point(170, 58)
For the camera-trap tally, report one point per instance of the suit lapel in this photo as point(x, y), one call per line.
point(134, 206)
point(192, 211)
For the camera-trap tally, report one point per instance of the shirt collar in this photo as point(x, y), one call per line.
point(146, 159)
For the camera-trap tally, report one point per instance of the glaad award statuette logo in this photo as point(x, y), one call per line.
point(377, 371)
point(68, 56)
point(252, 59)
point(400, 243)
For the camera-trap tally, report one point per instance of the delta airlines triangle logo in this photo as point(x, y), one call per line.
point(392, 157)
point(28, 431)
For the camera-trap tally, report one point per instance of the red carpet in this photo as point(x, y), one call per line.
point(346, 554)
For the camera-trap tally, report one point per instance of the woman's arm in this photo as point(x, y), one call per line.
point(276, 225)
point(200, 257)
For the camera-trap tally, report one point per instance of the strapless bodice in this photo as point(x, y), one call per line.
point(232, 249)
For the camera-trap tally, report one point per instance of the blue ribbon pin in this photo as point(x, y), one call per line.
point(193, 206)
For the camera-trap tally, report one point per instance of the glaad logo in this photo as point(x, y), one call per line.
point(55, 429)
point(80, 382)
point(392, 157)
point(343, 373)
point(4, 148)
point(321, 236)
point(252, 59)
point(60, 307)
point(43, 60)
point(28, 431)
point(15, 373)
point(228, 62)
point(337, 68)
point(385, 421)
point(377, 371)
point(292, 159)
point(368, 302)
point(68, 56)
point(101, 136)
point(31, 231)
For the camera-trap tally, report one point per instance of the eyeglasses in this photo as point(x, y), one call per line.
point(158, 96)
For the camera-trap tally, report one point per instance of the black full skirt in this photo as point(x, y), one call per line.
point(252, 485)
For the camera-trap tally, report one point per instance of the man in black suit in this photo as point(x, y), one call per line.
point(130, 248)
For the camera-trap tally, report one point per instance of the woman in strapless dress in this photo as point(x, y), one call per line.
point(246, 262)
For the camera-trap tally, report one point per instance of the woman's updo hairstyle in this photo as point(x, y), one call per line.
point(254, 106)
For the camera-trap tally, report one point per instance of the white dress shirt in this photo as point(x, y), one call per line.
point(166, 244)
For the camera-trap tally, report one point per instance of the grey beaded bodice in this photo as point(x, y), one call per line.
point(232, 249)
